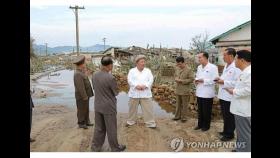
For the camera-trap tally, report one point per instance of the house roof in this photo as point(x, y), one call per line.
point(215, 39)
point(109, 49)
point(117, 49)
point(123, 51)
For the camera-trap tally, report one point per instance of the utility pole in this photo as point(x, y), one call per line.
point(104, 40)
point(77, 26)
point(46, 49)
point(181, 51)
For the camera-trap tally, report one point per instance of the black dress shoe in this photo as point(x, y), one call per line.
point(175, 119)
point(83, 126)
point(32, 140)
point(183, 120)
point(221, 133)
point(233, 150)
point(121, 148)
point(224, 139)
point(197, 128)
point(204, 129)
point(90, 124)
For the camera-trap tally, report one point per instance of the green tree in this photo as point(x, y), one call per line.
point(200, 43)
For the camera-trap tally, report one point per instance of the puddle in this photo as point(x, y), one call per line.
point(60, 91)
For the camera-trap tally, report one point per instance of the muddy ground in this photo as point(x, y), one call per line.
point(55, 130)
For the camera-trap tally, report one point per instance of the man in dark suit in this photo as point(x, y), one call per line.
point(105, 107)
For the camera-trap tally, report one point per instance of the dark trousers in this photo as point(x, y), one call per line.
point(182, 106)
point(204, 112)
point(105, 123)
point(229, 122)
point(31, 109)
point(83, 111)
point(30, 120)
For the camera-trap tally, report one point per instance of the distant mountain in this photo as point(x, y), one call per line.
point(41, 49)
point(96, 48)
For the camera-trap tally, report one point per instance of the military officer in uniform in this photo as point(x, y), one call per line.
point(83, 91)
point(184, 77)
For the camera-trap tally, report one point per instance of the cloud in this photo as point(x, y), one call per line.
point(141, 3)
point(143, 21)
point(123, 23)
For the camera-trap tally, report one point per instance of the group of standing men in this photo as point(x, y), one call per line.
point(140, 80)
point(234, 94)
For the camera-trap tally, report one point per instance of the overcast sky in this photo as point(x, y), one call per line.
point(134, 22)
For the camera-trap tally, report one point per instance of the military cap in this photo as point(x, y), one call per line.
point(79, 60)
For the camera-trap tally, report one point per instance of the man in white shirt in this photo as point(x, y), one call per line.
point(140, 80)
point(227, 80)
point(241, 101)
point(205, 90)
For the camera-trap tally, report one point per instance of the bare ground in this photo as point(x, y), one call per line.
point(55, 130)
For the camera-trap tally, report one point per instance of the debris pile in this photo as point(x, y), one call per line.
point(165, 94)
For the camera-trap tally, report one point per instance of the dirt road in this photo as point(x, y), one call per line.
point(55, 130)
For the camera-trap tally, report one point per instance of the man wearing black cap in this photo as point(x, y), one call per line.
point(83, 91)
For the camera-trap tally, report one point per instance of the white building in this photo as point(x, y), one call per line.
point(237, 38)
